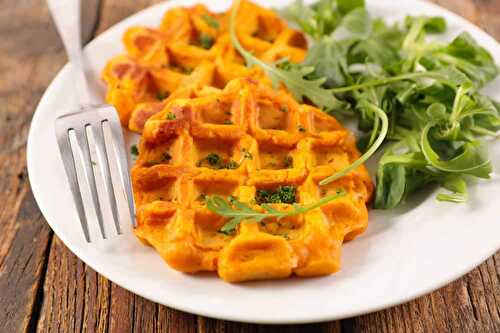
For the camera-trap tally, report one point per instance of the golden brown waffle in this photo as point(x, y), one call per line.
point(189, 51)
point(265, 139)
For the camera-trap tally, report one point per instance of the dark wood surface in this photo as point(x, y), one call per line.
point(44, 287)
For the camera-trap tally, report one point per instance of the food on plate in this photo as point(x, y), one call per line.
point(242, 167)
point(240, 152)
point(191, 50)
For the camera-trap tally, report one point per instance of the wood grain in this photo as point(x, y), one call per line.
point(44, 287)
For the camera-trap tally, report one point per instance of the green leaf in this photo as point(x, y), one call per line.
point(433, 24)
point(458, 187)
point(328, 58)
point(356, 24)
point(475, 61)
point(346, 6)
point(470, 158)
point(391, 184)
point(378, 142)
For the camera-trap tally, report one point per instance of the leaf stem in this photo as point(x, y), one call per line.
point(383, 133)
point(384, 81)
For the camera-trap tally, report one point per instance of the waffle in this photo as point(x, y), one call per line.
point(265, 140)
point(190, 50)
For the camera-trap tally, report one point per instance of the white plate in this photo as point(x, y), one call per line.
point(405, 252)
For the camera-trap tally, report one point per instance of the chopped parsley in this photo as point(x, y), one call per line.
point(228, 122)
point(282, 194)
point(161, 95)
point(284, 108)
point(165, 157)
point(247, 155)
point(215, 161)
point(288, 162)
point(212, 22)
point(232, 165)
point(206, 41)
point(134, 151)
point(202, 197)
point(171, 116)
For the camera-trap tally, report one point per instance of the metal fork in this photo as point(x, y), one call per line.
point(100, 122)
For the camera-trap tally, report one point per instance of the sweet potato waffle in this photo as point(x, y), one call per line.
point(264, 139)
point(189, 51)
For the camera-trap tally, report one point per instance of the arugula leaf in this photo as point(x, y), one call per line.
point(346, 6)
point(328, 58)
point(458, 187)
point(469, 159)
point(383, 133)
point(237, 211)
point(391, 184)
point(419, 94)
point(293, 77)
point(465, 54)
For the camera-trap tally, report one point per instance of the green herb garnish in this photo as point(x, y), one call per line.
point(134, 151)
point(171, 116)
point(237, 211)
point(215, 161)
point(205, 41)
point(165, 157)
point(247, 155)
point(212, 22)
point(161, 95)
point(288, 162)
point(282, 194)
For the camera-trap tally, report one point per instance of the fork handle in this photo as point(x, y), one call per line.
point(67, 17)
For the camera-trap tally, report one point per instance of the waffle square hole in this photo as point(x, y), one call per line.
point(218, 112)
point(208, 187)
point(215, 154)
point(273, 157)
point(332, 156)
point(272, 116)
point(207, 226)
point(288, 227)
point(163, 189)
point(164, 153)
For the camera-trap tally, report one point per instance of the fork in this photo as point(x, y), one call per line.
point(90, 129)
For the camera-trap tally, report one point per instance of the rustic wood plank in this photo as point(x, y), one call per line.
point(24, 235)
point(23, 269)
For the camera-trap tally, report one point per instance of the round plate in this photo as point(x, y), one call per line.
point(405, 253)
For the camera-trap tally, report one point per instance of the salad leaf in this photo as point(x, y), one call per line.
point(416, 94)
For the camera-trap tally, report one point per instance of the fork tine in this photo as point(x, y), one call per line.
point(98, 132)
point(121, 155)
point(83, 143)
point(68, 159)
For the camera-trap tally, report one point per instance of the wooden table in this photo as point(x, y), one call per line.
point(43, 286)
